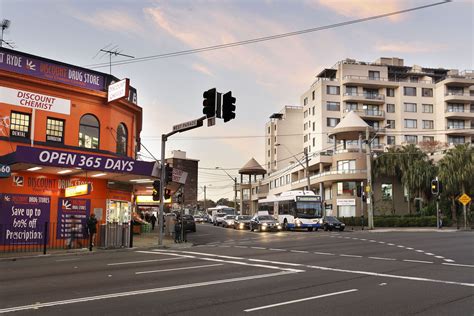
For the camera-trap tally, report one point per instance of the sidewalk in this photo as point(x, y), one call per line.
point(140, 242)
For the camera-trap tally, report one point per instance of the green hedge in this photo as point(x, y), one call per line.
point(397, 221)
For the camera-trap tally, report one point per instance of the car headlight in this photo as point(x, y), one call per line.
point(278, 226)
point(264, 224)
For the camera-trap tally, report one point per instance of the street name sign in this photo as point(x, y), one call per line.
point(187, 125)
point(464, 199)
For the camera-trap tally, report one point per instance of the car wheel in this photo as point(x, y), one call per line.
point(341, 229)
point(310, 229)
point(316, 229)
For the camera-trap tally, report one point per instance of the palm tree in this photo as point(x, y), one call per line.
point(387, 164)
point(456, 170)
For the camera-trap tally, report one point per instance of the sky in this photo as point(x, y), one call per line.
point(264, 77)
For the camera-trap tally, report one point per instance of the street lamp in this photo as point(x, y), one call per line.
point(370, 208)
point(235, 186)
point(205, 209)
point(305, 168)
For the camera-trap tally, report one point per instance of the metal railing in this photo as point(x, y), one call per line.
point(388, 79)
point(368, 96)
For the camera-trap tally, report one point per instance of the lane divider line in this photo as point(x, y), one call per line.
point(459, 265)
point(352, 256)
point(324, 253)
point(380, 258)
point(183, 268)
point(417, 261)
point(143, 261)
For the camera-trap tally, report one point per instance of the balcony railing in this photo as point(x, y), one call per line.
point(458, 93)
point(369, 96)
point(387, 79)
point(448, 110)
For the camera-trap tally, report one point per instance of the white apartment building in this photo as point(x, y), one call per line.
point(398, 104)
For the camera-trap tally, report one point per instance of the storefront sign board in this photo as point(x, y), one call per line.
point(118, 90)
point(34, 100)
point(72, 212)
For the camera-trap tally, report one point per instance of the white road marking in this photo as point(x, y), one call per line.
point(390, 244)
point(71, 259)
point(297, 301)
point(419, 250)
point(139, 292)
point(417, 261)
point(276, 249)
point(223, 246)
point(324, 253)
point(403, 277)
point(363, 239)
point(184, 268)
point(353, 256)
point(143, 261)
point(429, 254)
point(459, 265)
point(277, 262)
point(258, 247)
point(400, 246)
point(380, 258)
point(408, 248)
point(448, 260)
point(381, 242)
point(439, 257)
point(299, 251)
point(240, 246)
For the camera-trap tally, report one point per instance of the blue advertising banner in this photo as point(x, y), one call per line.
point(22, 218)
point(72, 215)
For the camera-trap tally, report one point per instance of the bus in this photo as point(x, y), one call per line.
point(294, 209)
point(223, 209)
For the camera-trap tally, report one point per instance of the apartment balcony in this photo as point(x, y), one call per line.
point(460, 130)
point(373, 115)
point(372, 82)
point(459, 81)
point(367, 98)
point(335, 176)
point(458, 97)
point(459, 114)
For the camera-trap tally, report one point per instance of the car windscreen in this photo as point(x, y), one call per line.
point(220, 215)
point(230, 217)
point(331, 219)
point(244, 218)
point(266, 218)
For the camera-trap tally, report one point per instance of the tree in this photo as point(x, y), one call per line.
point(456, 172)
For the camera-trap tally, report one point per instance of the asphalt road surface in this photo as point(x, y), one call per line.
point(229, 272)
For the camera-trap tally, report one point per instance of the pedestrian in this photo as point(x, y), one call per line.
point(91, 229)
point(440, 214)
point(153, 221)
point(75, 228)
point(177, 231)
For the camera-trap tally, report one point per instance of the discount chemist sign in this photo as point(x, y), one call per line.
point(66, 159)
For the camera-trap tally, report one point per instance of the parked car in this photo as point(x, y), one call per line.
point(264, 223)
point(331, 222)
point(198, 219)
point(189, 223)
point(218, 219)
point(228, 221)
point(242, 221)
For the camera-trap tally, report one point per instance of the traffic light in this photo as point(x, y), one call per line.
point(228, 107)
point(359, 191)
point(156, 190)
point(168, 174)
point(435, 187)
point(209, 103)
point(167, 194)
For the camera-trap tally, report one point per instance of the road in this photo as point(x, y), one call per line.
point(241, 272)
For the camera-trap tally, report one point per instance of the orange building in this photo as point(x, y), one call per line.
point(58, 130)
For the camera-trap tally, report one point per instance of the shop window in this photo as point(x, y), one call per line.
point(122, 139)
point(346, 210)
point(54, 130)
point(20, 124)
point(346, 188)
point(387, 191)
point(89, 130)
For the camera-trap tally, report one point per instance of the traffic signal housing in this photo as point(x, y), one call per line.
point(435, 187)
point(209, 103)
point(156, 190)
point(167, 194)
point(168, 173)
point(228, 106)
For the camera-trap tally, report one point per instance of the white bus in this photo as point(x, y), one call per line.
point(294, 209)
point(223, 209)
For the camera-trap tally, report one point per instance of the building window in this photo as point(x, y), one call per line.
point(428, 124)
point(268, 129)
point(455, 124)
point(20, 124)
point(305, 126)
point(411, 139)
point(387, 191)
point(410, 123)
point(391, 124)
point(346, 165)
point(89, 130)
point(426, 92)
point(305, 114)
point(331, 121)
point(313, 95)
point(313, 110)
point(268, 141)
point(330, 140)
point(122, 139)
point(455, 140)
point(305, 138)
point(305, 101)
point(54, 130)
point(409, 91)
point(346, 210)
point(410, 107)
point(346, 188)
point(332, 106)
point(374, 75)
point(351, 107)
point(274, 127)
point(332, 90)
point(455, 91)
point(427, 108)
point(351, 90)
point(428, 139)
point(390, 108)
point(390, 92)
point(314, 142)
point(456, 107)
point(390, 140)
point(268, 153)
point(314, 126)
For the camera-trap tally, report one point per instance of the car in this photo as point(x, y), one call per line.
point(242, 221)
point(198, 219)
point(218, 219)
point(331, 222)
point(264, 223)
point(228, 221)
point(189, 223)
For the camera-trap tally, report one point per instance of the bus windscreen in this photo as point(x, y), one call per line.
point(308, 209)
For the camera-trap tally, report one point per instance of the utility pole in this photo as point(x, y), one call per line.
point(370, 206)
point(307, 169)
point(235, 194)
point(205, 209)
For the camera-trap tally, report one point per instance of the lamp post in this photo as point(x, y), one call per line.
point(235, 186)
point(368, 150)
point(305, 168)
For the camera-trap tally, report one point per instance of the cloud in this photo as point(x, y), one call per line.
point(409, 47)
point(111, 20)
point(360, 8)
point(202, 69)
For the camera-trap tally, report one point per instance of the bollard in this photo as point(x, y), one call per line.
point(45, 240)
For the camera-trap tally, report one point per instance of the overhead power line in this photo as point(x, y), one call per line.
point(265, 38)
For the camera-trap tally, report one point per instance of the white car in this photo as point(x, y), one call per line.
point(228, 221)
point(218, 219)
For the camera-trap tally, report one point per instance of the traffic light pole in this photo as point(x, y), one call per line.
point(176, 129)
point(437, 207)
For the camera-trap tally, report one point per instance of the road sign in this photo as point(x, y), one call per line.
point(464, 199)
point(179, 176)
point(187, 125)
point(5, 171)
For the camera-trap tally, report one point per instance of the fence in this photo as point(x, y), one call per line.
point(53, 236)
